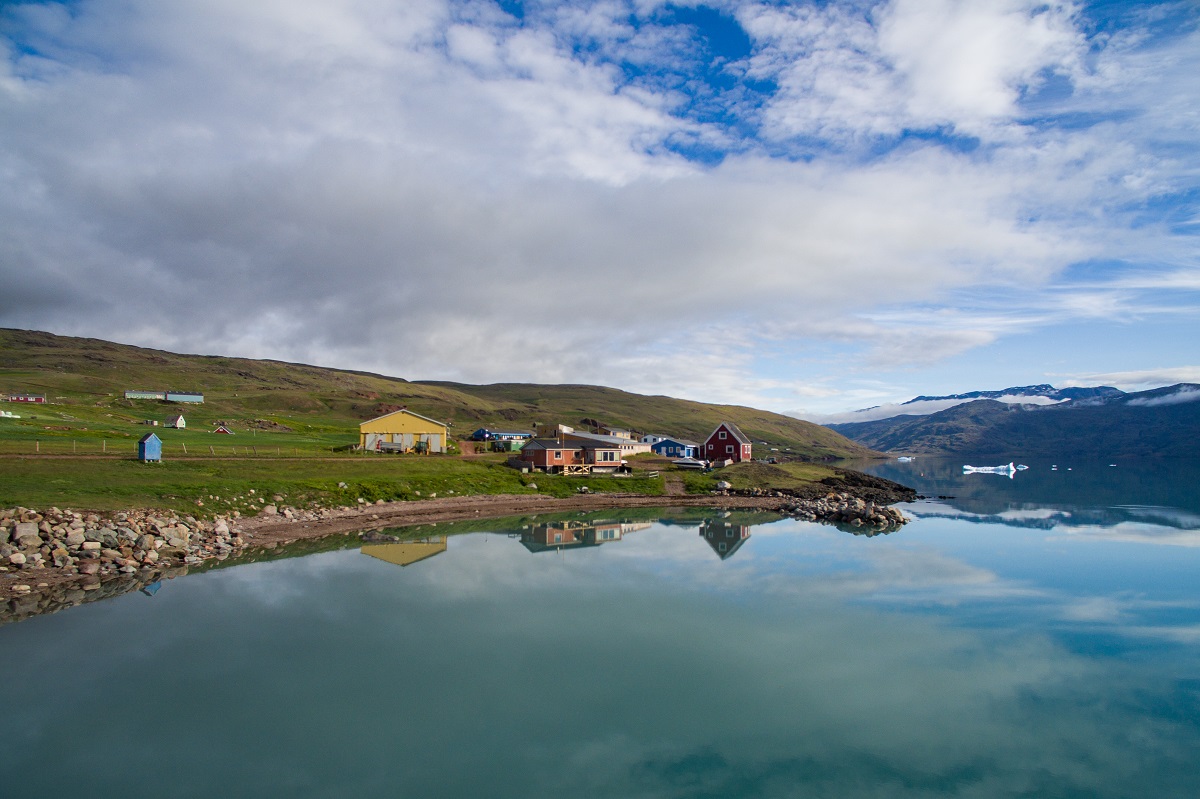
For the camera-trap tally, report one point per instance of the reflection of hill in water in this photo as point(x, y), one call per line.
point(1159, 492)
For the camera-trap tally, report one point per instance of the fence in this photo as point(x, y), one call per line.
point(127, 448)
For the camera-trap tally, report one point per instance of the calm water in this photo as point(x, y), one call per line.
point(1038, 636)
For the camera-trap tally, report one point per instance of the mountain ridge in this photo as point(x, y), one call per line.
point(1163, 421)
point(93, 373)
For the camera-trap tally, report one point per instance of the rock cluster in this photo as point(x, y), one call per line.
point(88, 544)
point(848, 510)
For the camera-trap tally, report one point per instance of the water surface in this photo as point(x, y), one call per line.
point(1024, 638)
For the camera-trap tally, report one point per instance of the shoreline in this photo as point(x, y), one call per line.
point(68, 558)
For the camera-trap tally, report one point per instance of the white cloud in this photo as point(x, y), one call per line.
point(436, 191)
point(921, 408)
point(1178, 397)
point(908, 64)
point(1135, 380)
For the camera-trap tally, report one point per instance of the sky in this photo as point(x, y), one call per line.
point(803, 207)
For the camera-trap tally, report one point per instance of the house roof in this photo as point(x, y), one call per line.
point(738, 435)
point(176, 418)
point(572, 443)
point(596, 438)
point(148, 437)
point(669, 439)
point(410, 413)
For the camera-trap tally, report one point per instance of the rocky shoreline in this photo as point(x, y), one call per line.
point(57, 558)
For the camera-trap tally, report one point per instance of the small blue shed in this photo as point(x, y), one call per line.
point(150, 448)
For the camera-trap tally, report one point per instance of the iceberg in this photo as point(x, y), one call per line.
point(1007, 469)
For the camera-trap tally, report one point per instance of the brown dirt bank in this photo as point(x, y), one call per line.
point(261, 530)
point(266, 530)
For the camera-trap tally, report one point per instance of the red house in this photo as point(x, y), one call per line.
point(727, 443)
point(556, 455)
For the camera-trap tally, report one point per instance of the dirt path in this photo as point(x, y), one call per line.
point(673, 484)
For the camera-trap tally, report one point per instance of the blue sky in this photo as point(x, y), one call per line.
point(807, 207)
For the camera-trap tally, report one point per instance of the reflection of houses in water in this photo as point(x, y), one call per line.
point(561, 535)
point(724, 537)
point(408, 552)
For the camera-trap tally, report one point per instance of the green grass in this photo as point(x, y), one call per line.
point(225, 484)
point(782, 476)
point(291, 423)
point(85, 380)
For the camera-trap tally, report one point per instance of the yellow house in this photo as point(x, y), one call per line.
point(402, 431)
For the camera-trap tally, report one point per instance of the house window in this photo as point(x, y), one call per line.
point(729, 533)
point(729, 448)
point(557, 537)
point(558, 456)
point(722, 546)
point(721, 435)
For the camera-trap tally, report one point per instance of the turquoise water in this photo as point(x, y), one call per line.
point(1038, 636)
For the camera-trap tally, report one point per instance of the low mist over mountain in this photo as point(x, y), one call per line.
point(1081, 422)
point(1042, 394)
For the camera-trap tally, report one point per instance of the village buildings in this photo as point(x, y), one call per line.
point(193, 397)
point(675, 447)
point(561, 449)
point(727, 443)
point(36, 399)
point(581, 454)
point(403, 431)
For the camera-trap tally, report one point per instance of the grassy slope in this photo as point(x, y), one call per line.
point(226, 484)
point(288, 418)
point(85, 379)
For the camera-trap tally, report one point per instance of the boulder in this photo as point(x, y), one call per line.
point(177, 536)
point(27, 530)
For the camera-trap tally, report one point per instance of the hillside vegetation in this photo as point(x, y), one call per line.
point(301, 408)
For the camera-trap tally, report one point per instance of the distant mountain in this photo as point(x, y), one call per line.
point(1042, 391)
point(1104, 423)
point(1042, 394)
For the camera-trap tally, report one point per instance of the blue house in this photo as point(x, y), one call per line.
point(675, 448)
point(150, 448)
point(484, 434)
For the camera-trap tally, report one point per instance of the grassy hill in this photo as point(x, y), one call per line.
point(310, 408)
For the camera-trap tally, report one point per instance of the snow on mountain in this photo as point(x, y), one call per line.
point(1043, 394)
